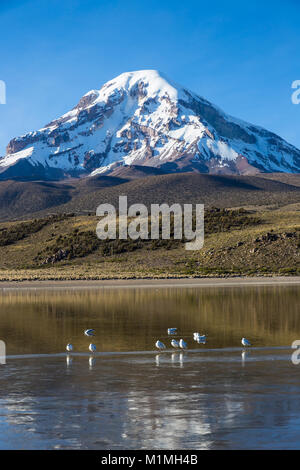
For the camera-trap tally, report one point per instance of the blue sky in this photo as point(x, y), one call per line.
point(242, 57)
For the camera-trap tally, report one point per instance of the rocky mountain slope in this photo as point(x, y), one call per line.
point(142, 118)
point(31, 199)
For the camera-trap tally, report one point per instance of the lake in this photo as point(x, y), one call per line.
point(130, 396)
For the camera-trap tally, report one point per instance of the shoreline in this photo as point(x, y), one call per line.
point(151, 283)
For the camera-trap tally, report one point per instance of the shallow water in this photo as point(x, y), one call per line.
point(128, 396)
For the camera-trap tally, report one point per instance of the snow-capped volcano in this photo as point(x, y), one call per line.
point(142, 118)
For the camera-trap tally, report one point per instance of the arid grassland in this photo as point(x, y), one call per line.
point(238, 242)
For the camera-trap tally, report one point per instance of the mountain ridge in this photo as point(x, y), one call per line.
point(27, 200)
point(142, 118)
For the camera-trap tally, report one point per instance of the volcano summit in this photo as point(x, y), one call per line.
point(142, 118)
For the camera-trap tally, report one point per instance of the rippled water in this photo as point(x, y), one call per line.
point(128, 396)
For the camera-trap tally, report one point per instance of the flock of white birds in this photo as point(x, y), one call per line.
point(92, 347)
point(181, 344)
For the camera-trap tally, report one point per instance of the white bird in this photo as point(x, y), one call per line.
point(172, 331)
point(175, 343)
point(182, 344)
point(245, 342)
point(92, 348)
point(69, 347)
point(201, 339)
point(160, 345)
point(89, 332)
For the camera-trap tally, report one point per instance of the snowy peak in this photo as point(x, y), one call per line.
point(143, 118)
point(150, 83)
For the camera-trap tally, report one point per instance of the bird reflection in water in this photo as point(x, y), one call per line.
point(69, 360)
point(92, 362)
point(175, 359)
point(245, 354)
point(157, 359)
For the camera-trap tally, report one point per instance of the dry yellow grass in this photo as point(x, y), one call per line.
point(223, 254)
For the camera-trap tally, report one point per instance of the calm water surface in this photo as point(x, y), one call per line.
point(128, 396)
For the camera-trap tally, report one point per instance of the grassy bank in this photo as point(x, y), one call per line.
point(255, 242)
